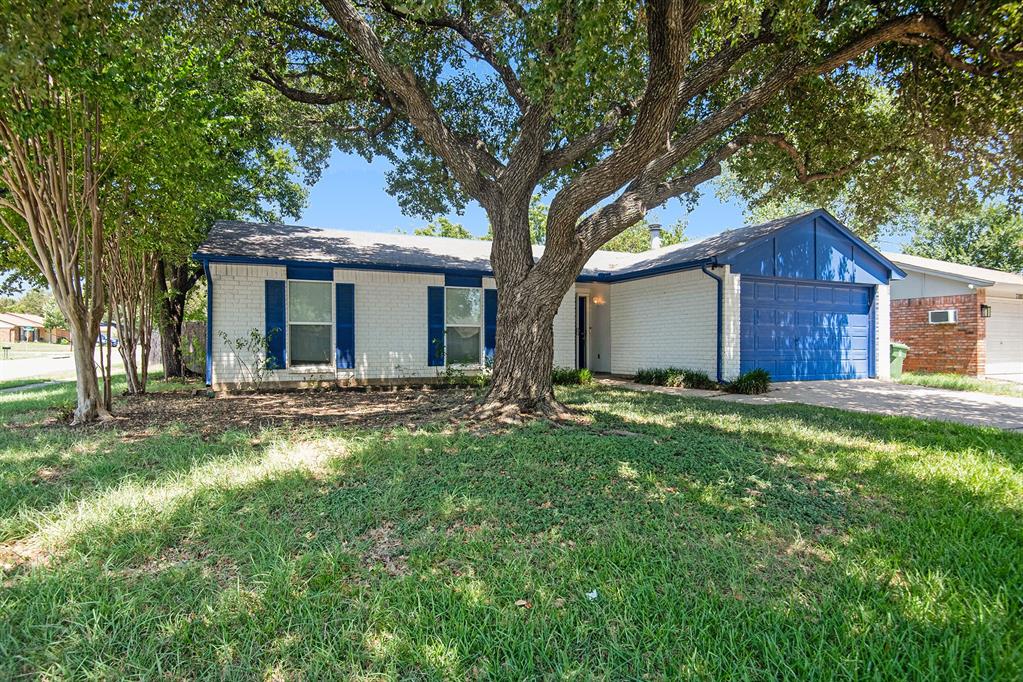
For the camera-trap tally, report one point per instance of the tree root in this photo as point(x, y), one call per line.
point(509, 412)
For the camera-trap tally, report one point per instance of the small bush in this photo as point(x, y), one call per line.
point(676, 377)
point(566, 376)
point(752, 382)
point(692, 378)
point(460, 378)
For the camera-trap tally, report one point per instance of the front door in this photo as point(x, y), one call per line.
point(580, 327)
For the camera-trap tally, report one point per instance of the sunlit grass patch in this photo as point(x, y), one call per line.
point(661, 537)
point(961, 382)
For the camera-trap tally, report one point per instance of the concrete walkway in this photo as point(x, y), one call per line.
point(871, 395)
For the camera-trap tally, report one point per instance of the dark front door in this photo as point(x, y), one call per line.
point(581, 332)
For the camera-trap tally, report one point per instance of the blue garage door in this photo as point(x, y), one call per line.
point(806, 330)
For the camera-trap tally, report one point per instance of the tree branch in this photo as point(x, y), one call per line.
point(481, 42)
point(470, 163)
point(670, 25)
point(302, 25)
point(277, 82)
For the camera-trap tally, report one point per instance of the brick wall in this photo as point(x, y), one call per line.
point(664, 321)
point(390, 325)
point(882, 331)
point(957, 348)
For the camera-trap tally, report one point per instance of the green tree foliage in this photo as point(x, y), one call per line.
point(34, 301)
point(991, 237)
point(442, 227)
point(53, 318)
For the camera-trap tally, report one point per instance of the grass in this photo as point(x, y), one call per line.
point(15, 383)
point(718, 541)
point(20, 350)
point(959, 382)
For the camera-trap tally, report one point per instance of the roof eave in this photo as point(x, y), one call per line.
point(975, 281)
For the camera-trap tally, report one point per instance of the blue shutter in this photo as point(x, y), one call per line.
point(276, 323)
point(489, 323)
point(344, 334)
point(435, 326)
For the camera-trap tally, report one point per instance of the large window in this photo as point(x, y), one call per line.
point(463, 312)
point(309, 323)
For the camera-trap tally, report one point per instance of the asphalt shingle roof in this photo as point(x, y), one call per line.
point(980, 276)
point(231, 238)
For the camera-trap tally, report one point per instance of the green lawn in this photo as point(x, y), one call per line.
point(15, 383)
point(660, 537)
point(959, 382)
point(22, 350)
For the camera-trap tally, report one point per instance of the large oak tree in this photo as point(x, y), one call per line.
point(616, 107)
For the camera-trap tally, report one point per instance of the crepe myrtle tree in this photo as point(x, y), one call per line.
point(614, 108)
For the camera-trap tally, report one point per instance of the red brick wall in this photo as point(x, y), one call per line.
point(956, 348)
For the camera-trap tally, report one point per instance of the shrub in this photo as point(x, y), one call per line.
point(677, 377)
point(653, 376)
point(566, 376)
point(692, 378)
point(751, 383)
point(461, 378)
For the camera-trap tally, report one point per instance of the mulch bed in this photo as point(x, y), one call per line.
point(409, 407)
point(405, 407)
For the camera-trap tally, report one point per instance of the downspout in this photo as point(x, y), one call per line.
point(209, 322)
point(720, 325)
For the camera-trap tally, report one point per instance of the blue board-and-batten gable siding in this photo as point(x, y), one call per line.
point(810, 249)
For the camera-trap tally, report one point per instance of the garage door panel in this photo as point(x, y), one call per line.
point(1004, 337)
point(805, 331)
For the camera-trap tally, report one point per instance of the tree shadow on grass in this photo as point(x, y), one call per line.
point(712, 551)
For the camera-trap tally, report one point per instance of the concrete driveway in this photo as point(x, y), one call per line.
point(871, 395)
point(883, 397)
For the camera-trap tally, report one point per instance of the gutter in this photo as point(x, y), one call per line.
point(605, 276)
point(209, 322)
point(720, 325)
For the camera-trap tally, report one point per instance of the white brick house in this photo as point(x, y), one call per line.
point(801, 296)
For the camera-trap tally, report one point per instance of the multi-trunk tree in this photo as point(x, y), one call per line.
point(617, 107)
point(125, 129)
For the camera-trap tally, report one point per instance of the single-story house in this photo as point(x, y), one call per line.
point(802, 297)
point(958, 318)
point(28, 327)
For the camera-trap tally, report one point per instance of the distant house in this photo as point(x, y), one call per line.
point(958, 318)
point(15, 327)
point(802, 297)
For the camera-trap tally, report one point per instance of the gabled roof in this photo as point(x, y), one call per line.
point(238, 241)
point(22, 319)
point(980, 277)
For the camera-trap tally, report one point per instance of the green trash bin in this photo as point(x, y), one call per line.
point(899, 353)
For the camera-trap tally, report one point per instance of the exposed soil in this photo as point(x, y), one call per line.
point(211, 415)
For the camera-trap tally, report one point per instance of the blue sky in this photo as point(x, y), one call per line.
point(351, 195)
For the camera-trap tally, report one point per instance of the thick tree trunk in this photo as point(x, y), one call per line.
point(173, 283)
point(90, 403)
point(528, 300)
point(523, 359)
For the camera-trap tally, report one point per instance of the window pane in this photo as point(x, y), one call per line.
point(463, 306)
point(310, 344)
point(309, 301)
point(463, 347)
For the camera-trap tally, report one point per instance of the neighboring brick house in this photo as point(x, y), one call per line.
point(958, 318)
point(28, 327)
point(802, 297)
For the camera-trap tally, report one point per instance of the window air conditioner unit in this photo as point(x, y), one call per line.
point(943, 316)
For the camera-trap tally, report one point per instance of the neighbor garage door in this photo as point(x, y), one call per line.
point(1005, 337)
point(805, 330)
